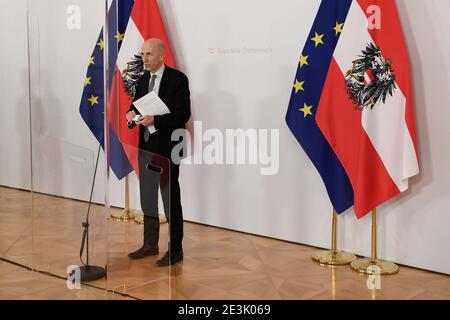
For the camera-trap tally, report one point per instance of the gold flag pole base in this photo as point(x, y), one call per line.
point(138, 217)
point(333, 258)
point(122, 215)
point(373, 265)
point(370, 267)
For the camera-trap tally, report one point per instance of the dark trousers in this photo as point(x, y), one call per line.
point(156, 171)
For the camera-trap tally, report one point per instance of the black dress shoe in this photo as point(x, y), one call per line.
point(143, 252)
point(170, 259)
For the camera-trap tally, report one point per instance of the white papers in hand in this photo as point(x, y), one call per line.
point(151, 104)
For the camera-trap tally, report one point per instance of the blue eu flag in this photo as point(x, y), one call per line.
point(92, 101)
point(308, 84)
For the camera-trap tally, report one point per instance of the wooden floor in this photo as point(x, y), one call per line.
point(43, 232)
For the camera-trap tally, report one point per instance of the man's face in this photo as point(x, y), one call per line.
point(152, 56)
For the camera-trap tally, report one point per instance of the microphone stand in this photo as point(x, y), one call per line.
point(88, 272)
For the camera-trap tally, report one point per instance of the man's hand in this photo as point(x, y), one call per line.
point(146, 120)
point(130, 115)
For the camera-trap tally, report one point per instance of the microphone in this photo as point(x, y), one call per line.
point(131, 124)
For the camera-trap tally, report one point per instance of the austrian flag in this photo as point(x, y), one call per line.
point(351, 101)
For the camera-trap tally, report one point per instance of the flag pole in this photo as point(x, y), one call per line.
point(132, 214)
point(373, 265)
point(333, 256)
point(125, 213)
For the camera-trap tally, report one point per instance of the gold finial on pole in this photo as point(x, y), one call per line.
point(333, 256)
point(374, 266)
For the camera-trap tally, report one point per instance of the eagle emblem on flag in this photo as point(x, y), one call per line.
point(130, 75)
point(381, 83)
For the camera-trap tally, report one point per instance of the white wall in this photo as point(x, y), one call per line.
point(14, 111)
point(236, 90)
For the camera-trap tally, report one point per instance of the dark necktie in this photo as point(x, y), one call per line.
point(150, 88)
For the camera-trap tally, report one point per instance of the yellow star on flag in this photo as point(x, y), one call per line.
point(298, 86)
point(101, 44)
point(338, 27)
point(91, 60)
point(93, 100)
point(318, 39)
point(306, 110)
point(87, 81)
point(119, 36)
point(303, 60)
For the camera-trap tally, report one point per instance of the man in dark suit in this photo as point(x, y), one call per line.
point(173, 88)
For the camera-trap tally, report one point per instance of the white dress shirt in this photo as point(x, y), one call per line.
point(159, 75)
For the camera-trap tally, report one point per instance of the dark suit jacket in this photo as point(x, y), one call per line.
point(174, 91)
